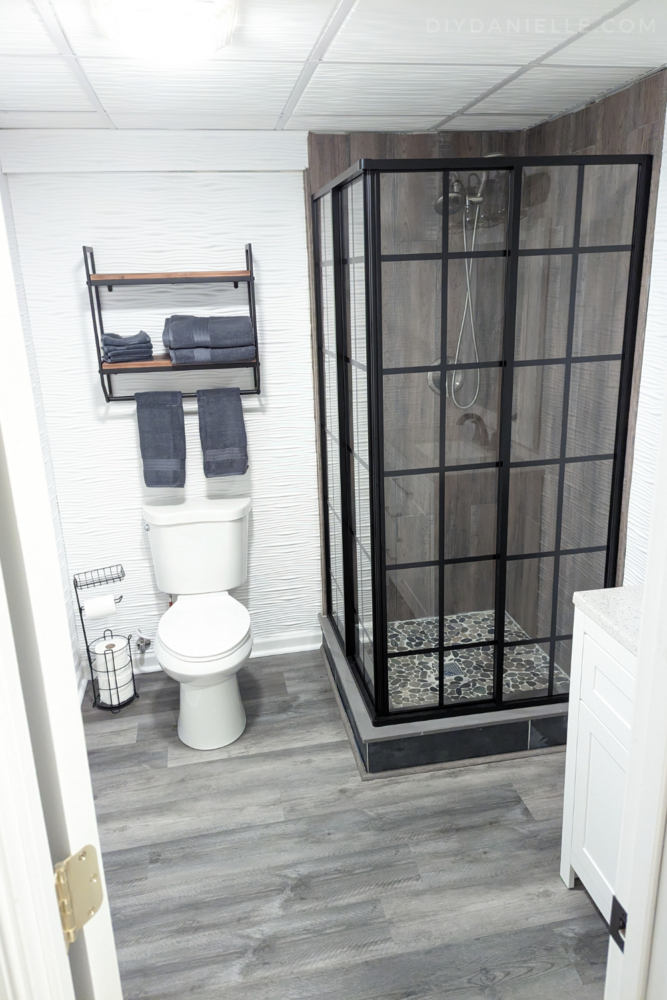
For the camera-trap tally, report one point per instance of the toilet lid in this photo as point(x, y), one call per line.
point(204, 626)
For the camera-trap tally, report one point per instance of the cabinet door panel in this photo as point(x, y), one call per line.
point(598, 808)
point(608, 690)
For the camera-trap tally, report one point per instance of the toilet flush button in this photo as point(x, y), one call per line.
point(147, 527)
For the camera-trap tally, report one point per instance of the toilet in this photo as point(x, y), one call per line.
point(200, 553)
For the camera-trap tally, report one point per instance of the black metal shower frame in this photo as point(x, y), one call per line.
point(377, 700)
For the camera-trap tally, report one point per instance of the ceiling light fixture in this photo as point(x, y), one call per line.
point(171, 32)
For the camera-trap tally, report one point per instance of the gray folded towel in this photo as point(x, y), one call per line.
point(222, 432)
point(115, 339)
point(138, 354)
point(182, 332)
point(207, 355)
point(162, 437)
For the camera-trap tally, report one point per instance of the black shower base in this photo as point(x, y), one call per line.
point(438, 741)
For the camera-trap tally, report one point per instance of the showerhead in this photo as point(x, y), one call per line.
point(457, 196)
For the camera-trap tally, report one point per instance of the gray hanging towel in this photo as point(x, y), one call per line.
point(208, 355)
point(161, 437)
point(222, 432)
point(207, 331)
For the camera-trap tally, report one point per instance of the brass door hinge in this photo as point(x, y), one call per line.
point(79, 890)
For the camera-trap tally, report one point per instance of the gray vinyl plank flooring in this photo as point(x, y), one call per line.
point(270, 871)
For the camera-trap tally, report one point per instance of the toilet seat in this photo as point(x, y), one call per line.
point(201, 628)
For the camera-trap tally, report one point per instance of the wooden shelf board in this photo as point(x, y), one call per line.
point(162, 364)
point(104, 279)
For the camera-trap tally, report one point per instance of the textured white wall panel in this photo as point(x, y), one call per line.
point(396, 90)
point(551, 89)
point(28, 152)
point(175, 221)
point(459, 31)
point(30, 83)
point(651, 399)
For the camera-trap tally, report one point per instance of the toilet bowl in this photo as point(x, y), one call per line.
point(199, 551)
point(202, 642)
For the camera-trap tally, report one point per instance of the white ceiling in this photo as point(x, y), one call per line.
point(332, 65)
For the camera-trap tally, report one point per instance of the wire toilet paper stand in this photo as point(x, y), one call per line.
point(109, 655)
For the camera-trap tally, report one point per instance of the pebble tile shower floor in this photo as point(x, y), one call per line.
point(468, 673)
point(270, 871)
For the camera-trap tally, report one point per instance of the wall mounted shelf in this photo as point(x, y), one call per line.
point(170, 278)
point(96, 280)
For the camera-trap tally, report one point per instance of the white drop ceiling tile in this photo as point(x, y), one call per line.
point(33, 83)
point(493, 123)
point(212, 91)
point(549, 90)
point(484, 31)
point(399, 90)
point(195, 119)
point(362, 123)
point(280, 30)
point(22, 29)
point(50, 119)
point(636, 37)
point(277, 29)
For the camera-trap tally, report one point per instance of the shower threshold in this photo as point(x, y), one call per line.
point(515, 730)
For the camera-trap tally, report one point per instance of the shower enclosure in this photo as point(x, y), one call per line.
point(476, 324)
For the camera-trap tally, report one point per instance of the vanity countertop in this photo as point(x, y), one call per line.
point(618, 610)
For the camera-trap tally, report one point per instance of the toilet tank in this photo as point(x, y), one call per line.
point(198, 546)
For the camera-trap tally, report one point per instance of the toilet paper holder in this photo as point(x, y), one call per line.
point(113, 684)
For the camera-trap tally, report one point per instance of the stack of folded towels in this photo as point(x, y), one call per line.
point(118, 349)
point(208, 339)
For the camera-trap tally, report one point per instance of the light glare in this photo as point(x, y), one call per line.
point(172, 32)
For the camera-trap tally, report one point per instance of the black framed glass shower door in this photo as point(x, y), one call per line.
point(485, 316)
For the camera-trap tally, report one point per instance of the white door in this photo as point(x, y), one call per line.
point(37, 636)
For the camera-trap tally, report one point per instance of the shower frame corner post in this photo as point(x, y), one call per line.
point(442, 418)
point(373, 278)
point(506, 406)
point(343, 422)
point(628, 367)
point(321, 388)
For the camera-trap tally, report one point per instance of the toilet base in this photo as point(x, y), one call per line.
point(211, 716)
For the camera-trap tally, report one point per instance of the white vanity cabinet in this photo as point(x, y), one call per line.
point(604, 654)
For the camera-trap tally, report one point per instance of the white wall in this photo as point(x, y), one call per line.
point(191, 214)
point(651, 399)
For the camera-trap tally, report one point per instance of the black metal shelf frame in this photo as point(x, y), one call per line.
point(95, 282)
point(375, 692)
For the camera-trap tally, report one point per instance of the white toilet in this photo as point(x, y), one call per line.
point(200, 551)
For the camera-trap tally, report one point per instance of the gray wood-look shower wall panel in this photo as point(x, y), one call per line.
point(631, 121)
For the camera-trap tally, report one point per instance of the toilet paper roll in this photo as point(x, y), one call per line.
point(100, 607)
point(112, 669)
point(111, 654)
